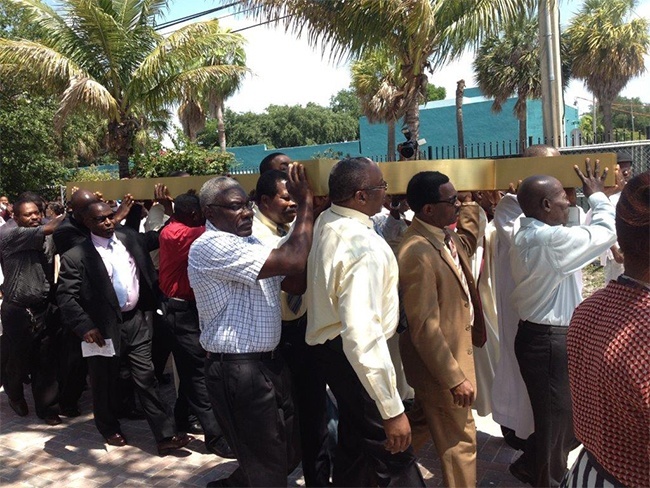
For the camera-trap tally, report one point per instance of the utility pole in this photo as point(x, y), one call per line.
point(551, 68)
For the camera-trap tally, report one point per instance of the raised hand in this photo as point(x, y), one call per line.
point(592, 182)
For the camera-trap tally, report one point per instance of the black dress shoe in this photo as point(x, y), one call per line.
point(518, 470)
point(172, 443)
point(19, 406)
point(70, 412)
point(116, 440)
point(52, 419)
point(221, 448)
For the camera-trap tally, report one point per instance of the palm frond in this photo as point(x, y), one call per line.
point(92, 95)
point(38, 61)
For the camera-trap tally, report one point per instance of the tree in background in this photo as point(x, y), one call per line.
point(346, 101)
point(607, 50)
point(422, 35)
point(106, 57)
point(377, 81)
point(284, 126)
point(210, 103)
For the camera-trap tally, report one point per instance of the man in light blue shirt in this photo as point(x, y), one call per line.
point(544, 257)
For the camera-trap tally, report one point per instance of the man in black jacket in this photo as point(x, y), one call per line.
point(107, 290)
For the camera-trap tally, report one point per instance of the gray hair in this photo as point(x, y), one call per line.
point(211, 189)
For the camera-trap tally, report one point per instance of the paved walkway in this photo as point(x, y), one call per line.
point(73, 454)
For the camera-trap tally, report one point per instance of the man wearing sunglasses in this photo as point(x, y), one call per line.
point(444, 321)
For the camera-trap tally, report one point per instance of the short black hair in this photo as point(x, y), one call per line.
point(267, 184)
point(186, 203)
point(348, 176)
point(29, 197)
point(424, 188)
point(633, 220)
point(265, 164)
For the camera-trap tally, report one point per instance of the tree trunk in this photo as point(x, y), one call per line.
point(221, 128)
point(412, 119)
point(523, 122)
point(607, 119)
point(121, 136)
point(391, 141)
point(460, 90)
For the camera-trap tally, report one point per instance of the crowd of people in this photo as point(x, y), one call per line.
point(343, 332)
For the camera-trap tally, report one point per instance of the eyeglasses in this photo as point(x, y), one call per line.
point(382, 186)
point(235, 207)
point(450, 201)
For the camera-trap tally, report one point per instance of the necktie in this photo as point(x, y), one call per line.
point(451, 245)
point(118, 283)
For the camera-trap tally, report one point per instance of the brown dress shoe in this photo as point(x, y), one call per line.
point(172, 443)
point(116, 440)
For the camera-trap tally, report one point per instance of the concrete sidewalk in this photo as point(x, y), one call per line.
point(73, 454)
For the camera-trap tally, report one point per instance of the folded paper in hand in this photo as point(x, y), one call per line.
point(92, 349)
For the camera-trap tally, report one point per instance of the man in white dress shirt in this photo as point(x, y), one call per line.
point(544, 257)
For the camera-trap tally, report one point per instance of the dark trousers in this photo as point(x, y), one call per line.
point(542, 356)
point(135, 350)
point(73, 370)
point(361, 459)
point(252, 401)
point(310, 398)
point(183, 322)
point(29, 348)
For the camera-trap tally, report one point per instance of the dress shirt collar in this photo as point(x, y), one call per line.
point(102, 241)
point(437, 233)
point(352, 214)
point(273, 227)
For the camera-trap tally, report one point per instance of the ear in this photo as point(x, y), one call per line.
point(264, 201)
point(360, 196)
point(546, 205)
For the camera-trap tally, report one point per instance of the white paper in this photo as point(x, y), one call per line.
point(92, 349)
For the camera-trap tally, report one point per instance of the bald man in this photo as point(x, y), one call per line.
point(544, 257)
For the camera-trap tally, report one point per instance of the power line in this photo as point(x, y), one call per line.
point(174, 22)
point(261, 23)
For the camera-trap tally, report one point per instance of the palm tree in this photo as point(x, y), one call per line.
point(507, 64)
point(422, 35)
point(210, 103)
point(606, 51)
point(377, 82)
point(104, 56)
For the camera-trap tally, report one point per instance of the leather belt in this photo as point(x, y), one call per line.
point(544, 328)
point(244, 356)
point(179, 304)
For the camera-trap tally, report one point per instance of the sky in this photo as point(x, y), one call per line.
point(287, 71)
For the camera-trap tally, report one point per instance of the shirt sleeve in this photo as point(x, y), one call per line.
point(23, 239)
point(575, 247)
point(360, 296)
point(230, 258)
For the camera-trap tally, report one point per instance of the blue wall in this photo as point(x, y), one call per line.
point(249, 157)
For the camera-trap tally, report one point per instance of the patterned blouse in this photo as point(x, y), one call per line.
point(609, 371)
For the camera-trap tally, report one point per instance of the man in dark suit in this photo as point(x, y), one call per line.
point(107, 290)
point(444, 319)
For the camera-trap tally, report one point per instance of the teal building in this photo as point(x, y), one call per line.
point(487, 134)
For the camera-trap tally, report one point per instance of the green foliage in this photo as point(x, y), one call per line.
point(346, 101)
point(436, 93)
point(623, 108)
point(329, 153)
point(91, 173)
point(284, 126)
point(185, 156)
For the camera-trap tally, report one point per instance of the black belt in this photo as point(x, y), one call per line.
point(543, 328)
point(244, 356)
point(179, 304)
